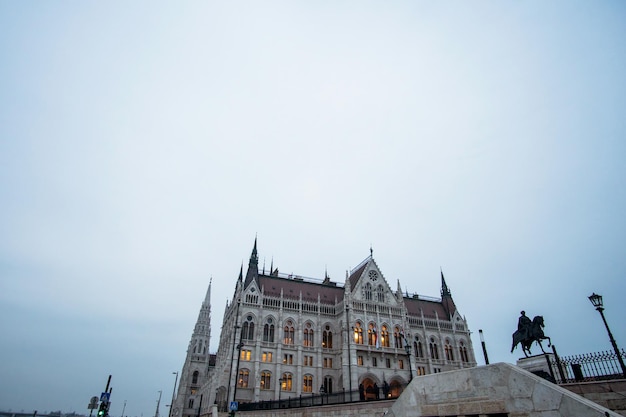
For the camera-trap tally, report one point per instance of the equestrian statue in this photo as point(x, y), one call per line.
point(528, 332)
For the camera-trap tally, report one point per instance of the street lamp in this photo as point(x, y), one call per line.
point(596, 300)
point(280, 388)
point(173, 393)
point(239, 346)
point(407, 347)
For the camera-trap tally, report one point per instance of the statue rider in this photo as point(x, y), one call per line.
point(523, 325)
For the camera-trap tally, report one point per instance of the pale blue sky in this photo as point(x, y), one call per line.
point(143, 145)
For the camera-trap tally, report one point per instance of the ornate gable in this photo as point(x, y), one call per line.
point(368, 284)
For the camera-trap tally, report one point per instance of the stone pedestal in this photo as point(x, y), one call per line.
point(540, 365)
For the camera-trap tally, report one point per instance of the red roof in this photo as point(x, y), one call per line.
point(292, 288)
point(413, 305)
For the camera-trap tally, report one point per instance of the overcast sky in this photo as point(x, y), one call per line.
point(144, 145)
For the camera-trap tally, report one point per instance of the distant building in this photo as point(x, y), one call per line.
point(286, 336)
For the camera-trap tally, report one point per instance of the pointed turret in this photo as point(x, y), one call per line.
point(446, 298)
point(445, 291)
point(253, 267)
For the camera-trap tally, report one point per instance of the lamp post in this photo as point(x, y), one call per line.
point(280, 388)
point(239, 346)
point(407, 347)
point(596, 300)
point(173, 393)
point(482, 342)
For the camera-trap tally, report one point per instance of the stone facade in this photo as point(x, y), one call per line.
point(286, 336)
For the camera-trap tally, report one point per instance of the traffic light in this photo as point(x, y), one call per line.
point(102, 411)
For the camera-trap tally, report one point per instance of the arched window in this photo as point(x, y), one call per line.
point(380, 294)
point(417, 346)
point(358, 334)
point(434, 350)
point(286, 382)
point(371, 334)
point(194, 378)
point(397, 338)
point(247, 329)
point(463, 352)
point(288, 333)
point(328, 385)
point(266, 380)
point(367, 289)
point(384, 336)
point(308, 336)
point(307, 383)
point(242, 381)
point(268, 331)
point(327, 338)
point(448, 349)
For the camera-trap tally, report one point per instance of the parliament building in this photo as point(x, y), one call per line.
point(285, 336)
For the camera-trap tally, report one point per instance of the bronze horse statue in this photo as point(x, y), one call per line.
point(532, 333)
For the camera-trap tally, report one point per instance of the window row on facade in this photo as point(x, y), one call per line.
point(371, 336)
point(286, 381)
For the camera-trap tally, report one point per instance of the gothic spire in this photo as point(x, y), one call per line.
point(445, 291)
point(207, 299)
point(253, 266)
point(446, 298)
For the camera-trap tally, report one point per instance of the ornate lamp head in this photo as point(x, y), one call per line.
point(596, 300)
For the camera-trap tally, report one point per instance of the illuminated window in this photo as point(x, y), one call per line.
point(266, 357)
point(246, 355)
point(400, 364)
point(359, 360)
point(358, 334)
point(242, 381)
point(288, 333)
point(266, 380)
point(286, 383)
point(371, 335)
point(397, 338)
point(384, 336)
point(307, 383)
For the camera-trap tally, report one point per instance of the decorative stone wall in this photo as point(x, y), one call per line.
point(494, 390)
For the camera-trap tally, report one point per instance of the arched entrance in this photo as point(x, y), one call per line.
point(369, 390)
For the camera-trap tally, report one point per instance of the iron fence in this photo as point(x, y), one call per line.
point(309, 400)
point(597, 366)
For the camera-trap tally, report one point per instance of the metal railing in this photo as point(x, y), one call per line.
point(597, 366)
point(309, 400)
